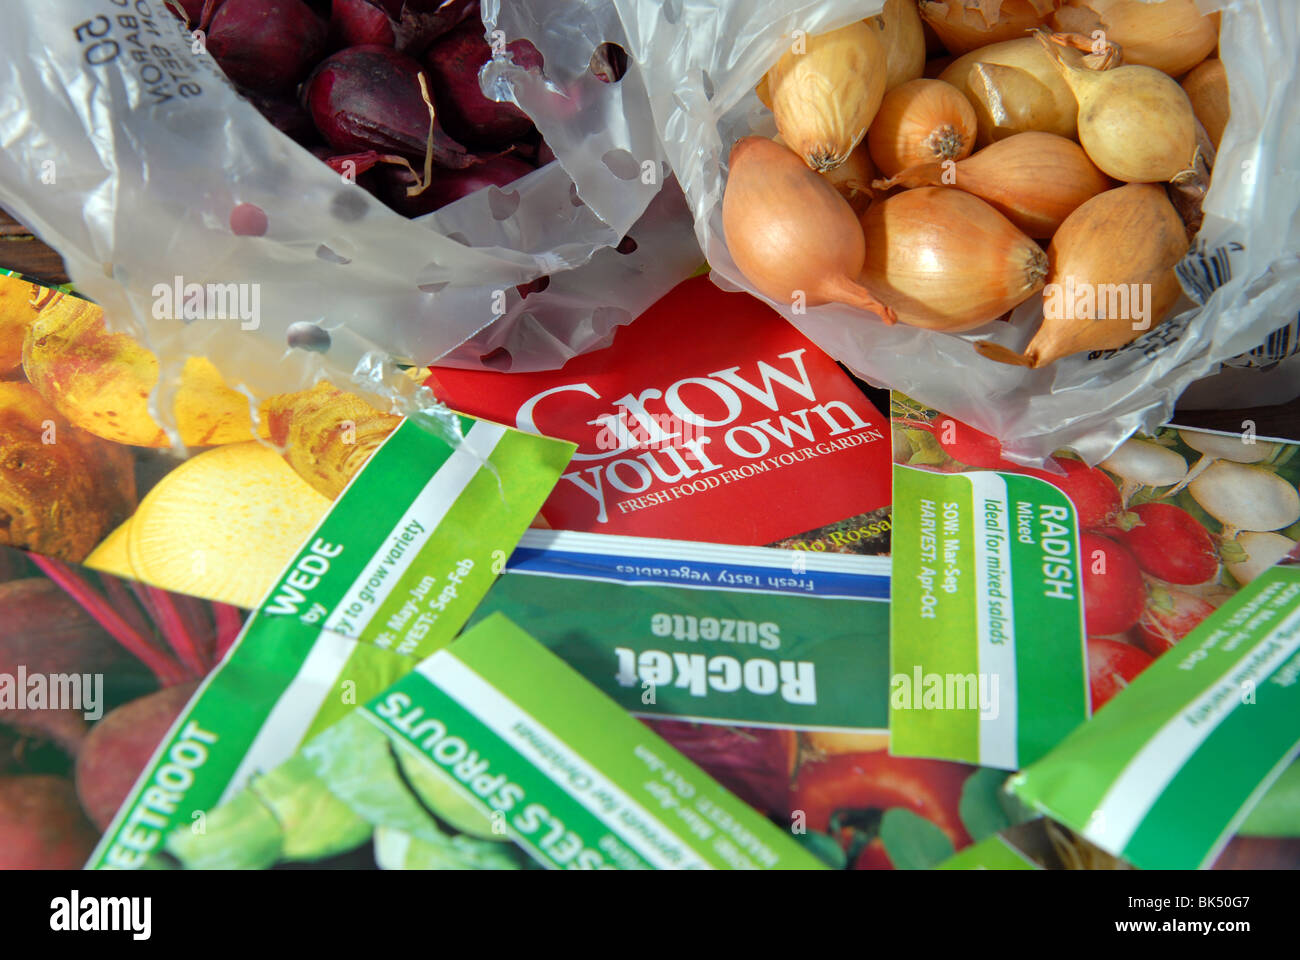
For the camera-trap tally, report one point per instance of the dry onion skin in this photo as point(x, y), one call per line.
point(853, 179)
point(791, 234)
point(1135, 122)
point(903, 37)
point(964, 25)
point(1014, 86)
point(919, 122)
point(825, 91)
point(1170, 35)
point(1120, 246)
point(1207, 88)
point(1033, 179)
point(946, 260)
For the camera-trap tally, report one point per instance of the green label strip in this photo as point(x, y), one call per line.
point(991, 853)
point(716, 656)
point(392, 573)
point(988, 662)
point(1164, 774)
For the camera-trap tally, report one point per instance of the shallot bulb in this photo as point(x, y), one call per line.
point(1033, 179)
point(1014, 86)
point(919, 122)
point(1112, 276)
point(1135, 122)
point(791, 234)
point(825, 93)
point(964, 25)
point(1170, 35)
point(945, 260)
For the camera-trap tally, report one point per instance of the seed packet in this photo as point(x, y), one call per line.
point(1198, 748)
point(994, 853)
point(1026, 598)
point(92, 476)
point(92, 672)
point(491, 754)
point(388, 575)
point(710, 418)
point(768, 668)
point(731, 653)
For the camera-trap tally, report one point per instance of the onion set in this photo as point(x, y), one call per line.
point(1135, 122)
point(825, 93)
point(945, 260)
point(963, 25)
point(791, 234)
point(853, 179)
point(921, 121)
point(1169, 35)
point(1033, 179)
point(1014, 86)
point(361, 83)
point(1112, 276)
point(903, 37)
point(1207, 89)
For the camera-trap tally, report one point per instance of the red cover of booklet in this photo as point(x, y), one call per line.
point(709, 418)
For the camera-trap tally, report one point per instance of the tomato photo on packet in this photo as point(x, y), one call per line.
point(846, 796)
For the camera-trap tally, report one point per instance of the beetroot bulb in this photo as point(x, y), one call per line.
point(266, 46)
point(466, 114)
point(368, 98)
point(407, 25)
point(448, 186)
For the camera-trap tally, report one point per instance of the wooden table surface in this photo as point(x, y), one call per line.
point(21, 251)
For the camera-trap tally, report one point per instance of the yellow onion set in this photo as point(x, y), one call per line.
point(1037, 156)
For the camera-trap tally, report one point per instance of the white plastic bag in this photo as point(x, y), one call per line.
point(126, 150)
point(698, 64)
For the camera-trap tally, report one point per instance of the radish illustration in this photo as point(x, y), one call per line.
point(1169, 543)
point(1141, 463)
point(1245, 498)
point(1114, 595)
point(1214, 447)
point(1096, 501)
point(1169, 616)
point(1262, 551)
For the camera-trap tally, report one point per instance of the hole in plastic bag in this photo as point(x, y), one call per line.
point(502, 205)
point(348, 205)
point(608, 63)
point(573, 195)
point(707, 83)
point(437, 287)
point(329, 256)
point(498, 359)
point(534, 286)
point(626, 245)
point(621, 164)
point(308, 336)
point(672, 10)
point(248, 220)
point(459, 238)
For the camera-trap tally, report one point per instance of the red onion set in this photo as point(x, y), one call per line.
point(383, 90)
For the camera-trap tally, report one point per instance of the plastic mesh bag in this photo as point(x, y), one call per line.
point(697, 67)
point(126, 150)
